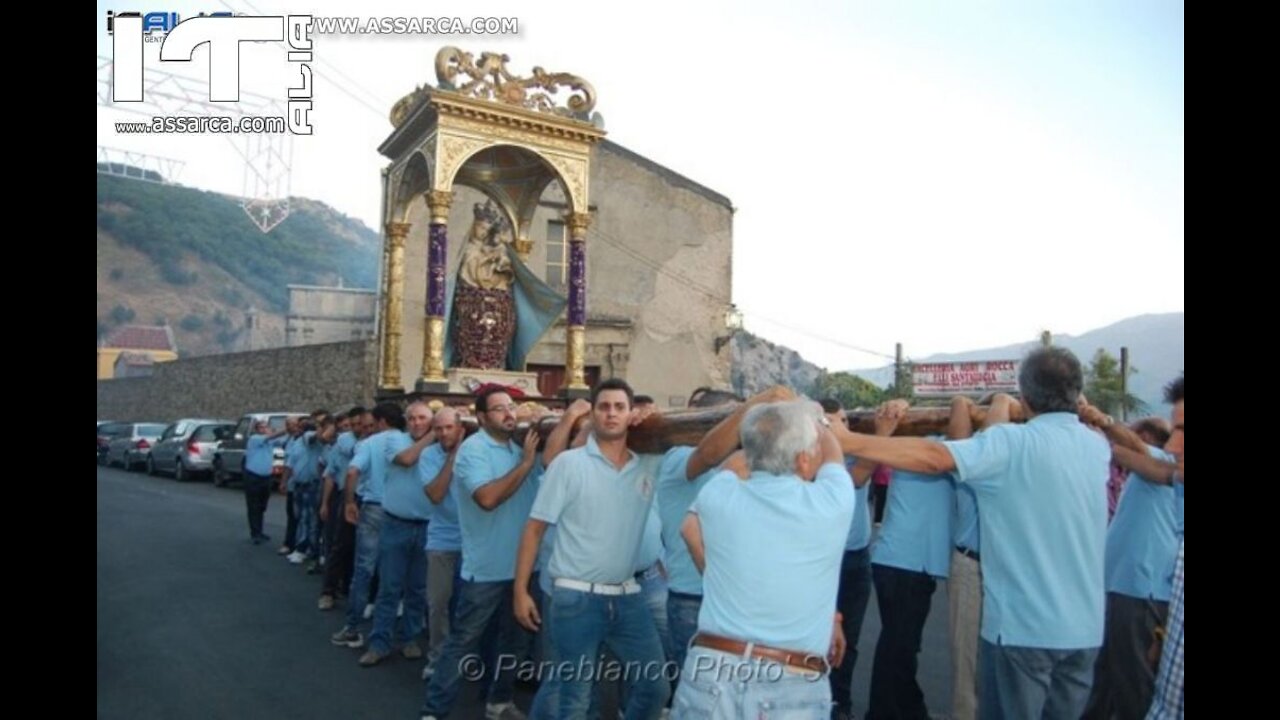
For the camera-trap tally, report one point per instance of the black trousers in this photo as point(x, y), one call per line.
point(257, 491)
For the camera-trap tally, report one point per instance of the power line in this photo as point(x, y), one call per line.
point(341, 88)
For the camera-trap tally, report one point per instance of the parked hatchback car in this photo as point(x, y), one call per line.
point(228, 459)
point(130, 448)
point(186, 448)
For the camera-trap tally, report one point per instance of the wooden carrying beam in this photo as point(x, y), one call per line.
point(661, 432)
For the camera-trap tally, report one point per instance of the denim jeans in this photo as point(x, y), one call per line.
point(581, 622)
point(851, 601)
point(479, 605)
point(366, 561)
point(1022, 682)
point(721, 686)
point(682, 622)
point(402, 567)
point(653, 587)
point(306, 500)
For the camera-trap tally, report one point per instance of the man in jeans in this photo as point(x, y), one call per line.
point(682, 474)
point(766, 640)
point(259, 452)
point(366, 480)
point(497, 481)
point(402, 564)
point(598, 497)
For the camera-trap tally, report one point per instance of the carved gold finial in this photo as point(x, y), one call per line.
point(489, 80)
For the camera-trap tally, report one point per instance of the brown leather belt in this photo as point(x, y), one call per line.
point(791, 658)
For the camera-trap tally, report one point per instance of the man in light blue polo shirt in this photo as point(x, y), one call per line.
point(683, 473)
point(497, 482)
point(402, 564)
point(258, 454)
point(770, 548)
point(302, 461)
point(293, 428)
point(1042, 504)
point(598, 497)
point(1142, 546)
point(366, 480)
point(912, 552)
point(444, 535)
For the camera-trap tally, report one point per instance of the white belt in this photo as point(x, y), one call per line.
point(627, 587)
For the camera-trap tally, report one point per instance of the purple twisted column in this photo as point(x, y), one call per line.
point(576, 339)
point(433, 378)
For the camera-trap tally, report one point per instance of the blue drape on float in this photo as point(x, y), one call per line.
point(537, 308)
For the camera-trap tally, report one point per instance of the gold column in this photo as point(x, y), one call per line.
point(576, 340)
point(396, 234)
point(439, 202)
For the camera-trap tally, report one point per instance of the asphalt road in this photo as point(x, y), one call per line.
point(194, 621)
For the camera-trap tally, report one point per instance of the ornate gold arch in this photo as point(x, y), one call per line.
point(504, 135)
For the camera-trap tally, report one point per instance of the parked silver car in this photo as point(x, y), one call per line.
point(187, 447)
point(131, 448)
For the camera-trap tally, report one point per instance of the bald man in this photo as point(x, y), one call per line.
point(444, 535)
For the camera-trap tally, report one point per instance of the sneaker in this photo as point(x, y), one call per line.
point(503, 711)
point(368, 611)
point(347, 637)
point(255, 540)
point(428, 670)
point(296, 558)
point(325, 602)
point(264, 537)
point(284, 550)
point(371, 657)
point(313, 568)
point(411, 651)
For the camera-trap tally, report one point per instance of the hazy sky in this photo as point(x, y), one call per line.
point(948, 175)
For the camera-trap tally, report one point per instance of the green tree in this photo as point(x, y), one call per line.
point(851, 390)
point(192, 323)
point(121, 314)
point(1102, 385)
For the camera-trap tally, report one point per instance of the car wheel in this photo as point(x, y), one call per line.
point(219, 477)
point(179, 472)
point(151, 466)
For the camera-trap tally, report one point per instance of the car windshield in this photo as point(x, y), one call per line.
point(151, 430)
